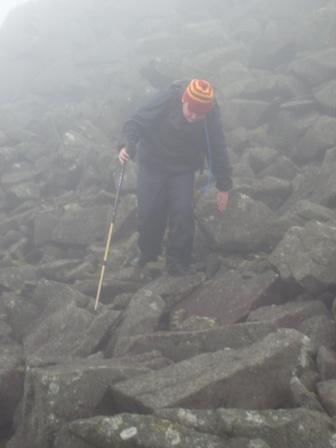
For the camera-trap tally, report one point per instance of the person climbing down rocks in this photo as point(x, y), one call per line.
point(169, 137)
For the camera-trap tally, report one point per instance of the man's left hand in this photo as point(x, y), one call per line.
point(222, 200)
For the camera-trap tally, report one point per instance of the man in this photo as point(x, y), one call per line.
point(171, 135)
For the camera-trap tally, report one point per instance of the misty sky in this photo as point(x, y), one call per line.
point(6, 6)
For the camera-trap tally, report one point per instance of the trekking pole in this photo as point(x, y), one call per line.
point(110, 232)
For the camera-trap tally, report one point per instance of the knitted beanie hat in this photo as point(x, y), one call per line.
point(199, 95)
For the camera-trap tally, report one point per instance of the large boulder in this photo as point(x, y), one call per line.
point(272, 191)
point(68, 331)
point(245, 226)
point(308, 255)
point(233, 294)
point(142, 316)
point(243, 112)
point(289, 315)
point(143, 431)
point(55, 395)
point(317, 139)
point(315, 68)
point(180, 345)
point(282, 428)
point(221, 379)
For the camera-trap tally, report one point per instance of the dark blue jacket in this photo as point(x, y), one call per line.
point(166, 140)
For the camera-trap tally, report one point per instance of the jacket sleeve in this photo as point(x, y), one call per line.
point(144, 119)
point(219, 158)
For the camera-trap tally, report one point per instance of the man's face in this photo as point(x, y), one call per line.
point(189, 115)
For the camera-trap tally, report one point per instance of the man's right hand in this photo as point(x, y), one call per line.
point(127, 152)
point(123, 155)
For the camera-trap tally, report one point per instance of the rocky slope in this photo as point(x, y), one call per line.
point(242, 352)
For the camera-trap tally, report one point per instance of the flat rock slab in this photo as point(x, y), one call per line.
point(181, 345)
point(282, 428)
point(256, 377)
point(145, 431)
point(289, 315)
point(233, 294)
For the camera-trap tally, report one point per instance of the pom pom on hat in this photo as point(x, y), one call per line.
point(199, 95)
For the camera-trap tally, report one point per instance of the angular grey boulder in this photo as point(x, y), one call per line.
point(233, 294)
point(146, 431)
point(58, 394)
point(308, 255)
point(181, 345)
point(244, 227)
point(289, 315)
point(327, 393)
point(69, 331)
point(221, 379)
point(280, 428)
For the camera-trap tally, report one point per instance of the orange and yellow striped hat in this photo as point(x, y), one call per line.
point(199, 95)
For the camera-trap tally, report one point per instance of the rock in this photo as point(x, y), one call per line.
point(215, 379)
point(143, 431)
point(81, 226)
point(55, 395)
point(326, 95)
point(326, 363)
point(318, 31)
point(321, 330)
point(174, 289)
point(289, 315)
point(282, 167)
point(15, 278)
point(327, 393)
point(280, 428)
point(325, 188)
point(65, 439)
point(126, 280)
point(307, 255)
point(260, 158)
point(315, 68)
point(317, 139)
point(11, 379)
point(68, 331)
point(52, 296)
point(264, 86)
point(181, 345)
point(301, 212)
point(233, 294)
point(247, 113)
point(290, 123)
point(273, 49)
point(142, 314)
point(302, 397)
point(244, 227)
point(272, 191)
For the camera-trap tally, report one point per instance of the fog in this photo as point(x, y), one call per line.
point(242, 351)
point(7, 6)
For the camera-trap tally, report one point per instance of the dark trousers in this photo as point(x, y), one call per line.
point(165, 198)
